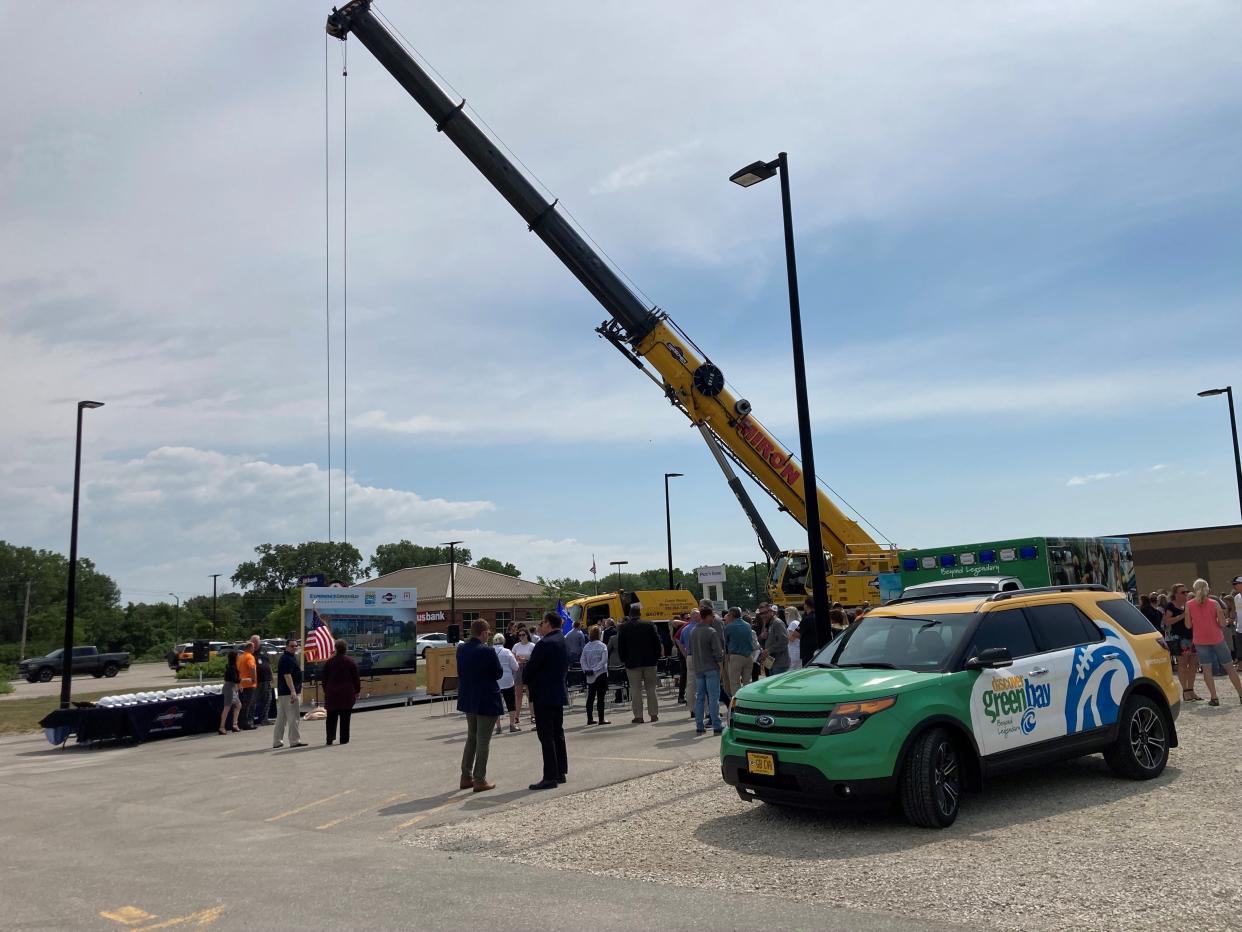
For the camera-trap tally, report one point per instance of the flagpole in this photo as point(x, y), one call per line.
point(302, 636)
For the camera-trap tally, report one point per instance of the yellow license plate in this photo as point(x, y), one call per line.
point(762, 764)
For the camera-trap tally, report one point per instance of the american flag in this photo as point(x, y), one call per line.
point(319, 643)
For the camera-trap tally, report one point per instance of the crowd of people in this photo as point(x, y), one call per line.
point(708, 656)
point(249, 681)
point(1202, 633)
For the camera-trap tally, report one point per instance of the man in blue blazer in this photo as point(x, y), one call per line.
point(545, 676)
point(478, 695)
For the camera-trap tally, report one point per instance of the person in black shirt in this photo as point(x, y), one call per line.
point(1181, 643)
point(1151, 613)
point(288, 697)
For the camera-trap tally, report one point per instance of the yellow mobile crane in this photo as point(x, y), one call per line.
point(652, 342)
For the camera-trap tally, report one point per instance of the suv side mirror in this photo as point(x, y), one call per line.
point(990, 658)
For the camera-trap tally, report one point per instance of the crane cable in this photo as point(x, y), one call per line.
point(327, 276)
point(327, 270)
point(345, 270)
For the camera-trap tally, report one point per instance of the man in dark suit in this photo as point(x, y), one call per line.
point(813, 633)
point(478, 695)
point(544, 675)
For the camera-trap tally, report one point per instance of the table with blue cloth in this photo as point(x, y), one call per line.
point(147, 721)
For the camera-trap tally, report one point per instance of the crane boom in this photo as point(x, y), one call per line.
point(645, 335)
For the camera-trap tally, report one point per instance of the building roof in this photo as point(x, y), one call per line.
point(432, 583)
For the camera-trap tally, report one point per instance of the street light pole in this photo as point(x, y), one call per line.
point(452, 546)
point(668, 524)
point(752, 174)
point(176, 620)
point(66, 658)
point(1227, 391)
point(618, 564)
point(214, 577)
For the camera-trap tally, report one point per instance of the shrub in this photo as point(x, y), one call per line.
point(8, 671)
point(213, 669)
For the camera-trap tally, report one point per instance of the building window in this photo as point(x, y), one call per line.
point(468, 617)
point(503, 619)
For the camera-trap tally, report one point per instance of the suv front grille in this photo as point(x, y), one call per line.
point(784, 713)
point(778, 729)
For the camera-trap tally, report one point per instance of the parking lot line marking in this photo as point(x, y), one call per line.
point(128, 915)
point(635, 760)
point(318, 802)
point(345, 818)
point(422, 815)
point(204, 917)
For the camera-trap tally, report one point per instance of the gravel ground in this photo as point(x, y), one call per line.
point(1066, 847)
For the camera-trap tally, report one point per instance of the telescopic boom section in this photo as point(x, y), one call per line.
point(644, 335)
point(452, 120)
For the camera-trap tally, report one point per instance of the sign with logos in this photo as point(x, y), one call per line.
point(711, 574)
point(425, 617)
point(366, 617)
point(362, 600)
point(313, 579)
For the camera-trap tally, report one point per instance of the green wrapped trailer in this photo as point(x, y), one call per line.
point(1036, 561)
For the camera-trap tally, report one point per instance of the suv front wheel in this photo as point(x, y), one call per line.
point(930, 788)
point(1142, 746)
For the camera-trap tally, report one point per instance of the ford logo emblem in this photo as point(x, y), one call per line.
point(765, 721)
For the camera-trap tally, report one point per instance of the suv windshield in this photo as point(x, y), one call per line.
point(898, 642)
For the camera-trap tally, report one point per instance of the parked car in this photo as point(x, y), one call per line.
point(923, 699)
point(174, 655)
point(213, 648)
point(429, 640)
point(85, 660)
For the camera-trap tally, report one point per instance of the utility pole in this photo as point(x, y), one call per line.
point(214, 577)
point(25, 618)
point(452, 546)
point(176, 620)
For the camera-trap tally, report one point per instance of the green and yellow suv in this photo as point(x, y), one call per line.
point(924, 698)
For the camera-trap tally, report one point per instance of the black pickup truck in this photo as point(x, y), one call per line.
point(85, 660)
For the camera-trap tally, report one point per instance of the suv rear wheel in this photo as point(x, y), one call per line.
point(1142, 746)
point(930, 787)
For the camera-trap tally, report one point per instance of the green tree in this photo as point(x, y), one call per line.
point(488, 563)
point(279, 565)
point(389, 558)
point(282, 621)
point(48, 574)
point(559, 590)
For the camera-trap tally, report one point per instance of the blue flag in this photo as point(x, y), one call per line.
point(567, 623)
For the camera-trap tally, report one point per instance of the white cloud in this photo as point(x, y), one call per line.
point(1093, 477)
point(660, 166)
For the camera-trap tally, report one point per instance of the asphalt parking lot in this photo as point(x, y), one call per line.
point(136, 677)
point(223, 831)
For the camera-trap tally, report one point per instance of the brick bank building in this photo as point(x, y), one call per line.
point(494, 597)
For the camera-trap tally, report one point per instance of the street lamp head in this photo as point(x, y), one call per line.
point(753, 173)
point(1213, 391)
point(90, 404)
point(673, 475)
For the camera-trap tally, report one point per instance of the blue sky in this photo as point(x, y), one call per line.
point(1018, 230)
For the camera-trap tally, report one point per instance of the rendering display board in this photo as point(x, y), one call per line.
point(367, 618)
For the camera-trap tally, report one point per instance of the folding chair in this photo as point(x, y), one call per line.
point(448, 691)
point(618, 681)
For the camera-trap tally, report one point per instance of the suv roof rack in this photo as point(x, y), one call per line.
point(1081, 587)
point(962, 594)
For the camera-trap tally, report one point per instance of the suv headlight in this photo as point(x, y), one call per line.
point(849, 716)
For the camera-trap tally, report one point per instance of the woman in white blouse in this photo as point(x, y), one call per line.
point(522, 650)
point(508, 668)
